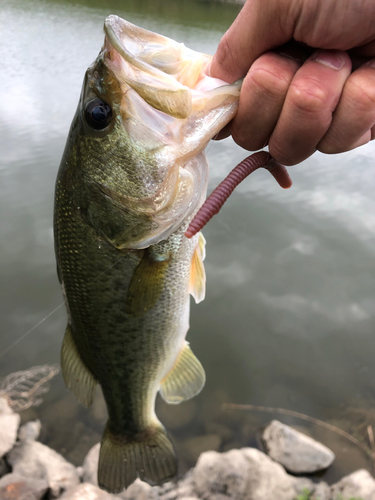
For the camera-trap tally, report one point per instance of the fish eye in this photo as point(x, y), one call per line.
point(98, 114)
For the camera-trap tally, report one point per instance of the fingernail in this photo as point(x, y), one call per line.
point(330, 58)
point(207, 70)
point(371, 63)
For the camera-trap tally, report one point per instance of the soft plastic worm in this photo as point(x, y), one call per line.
point(220, 195)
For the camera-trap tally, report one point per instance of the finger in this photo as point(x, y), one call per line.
point(249, 37)
point(224, 132)
point(261, 100)
point(307, 112)
point(354, 116)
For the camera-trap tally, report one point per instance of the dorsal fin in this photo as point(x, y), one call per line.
point(185, 380)
point(197, 285)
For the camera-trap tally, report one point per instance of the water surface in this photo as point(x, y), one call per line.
point(288, 319)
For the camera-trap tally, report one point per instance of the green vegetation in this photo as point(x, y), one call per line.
point(308, 495)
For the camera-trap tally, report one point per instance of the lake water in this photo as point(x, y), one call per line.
point(288, 319)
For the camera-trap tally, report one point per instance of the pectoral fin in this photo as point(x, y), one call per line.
point(197, 287)
point(146, 286)
point(185, 380)
point(77, 376)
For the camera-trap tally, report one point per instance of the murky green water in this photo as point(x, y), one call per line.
point(288, 319)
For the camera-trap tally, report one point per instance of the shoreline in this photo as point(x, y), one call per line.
point(30, 470)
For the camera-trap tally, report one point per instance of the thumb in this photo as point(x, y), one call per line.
point(261, 25)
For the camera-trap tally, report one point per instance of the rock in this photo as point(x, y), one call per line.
point(9, 423)
point(90, 465)
point(183, 490)
point(246, 474)
point(321, 492)
point(297, 452)
point(86, 491)
point(307, 489)
point(29, 431)
point(31, 459)
point(140, 490)
point(15, 487)
point(80, 472)
point(359, 484)
point(302, 484)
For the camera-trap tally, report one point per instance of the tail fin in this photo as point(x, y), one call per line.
point(151, 458)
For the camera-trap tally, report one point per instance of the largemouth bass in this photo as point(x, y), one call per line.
point(132, 176)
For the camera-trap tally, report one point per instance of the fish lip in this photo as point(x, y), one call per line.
point(114, 26)
point(113, 32)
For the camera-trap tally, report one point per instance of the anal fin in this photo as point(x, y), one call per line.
point(197, 286)
point(77, 377)
point(185, 380)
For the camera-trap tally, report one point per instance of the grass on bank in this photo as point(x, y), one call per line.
point(308, 495)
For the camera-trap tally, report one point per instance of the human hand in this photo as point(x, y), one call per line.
point(297, 99)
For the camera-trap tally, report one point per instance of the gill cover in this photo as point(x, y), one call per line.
point(166, 110)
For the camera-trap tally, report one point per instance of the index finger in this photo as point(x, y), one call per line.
point(257, 29)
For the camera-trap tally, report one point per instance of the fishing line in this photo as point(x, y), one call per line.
point(29, 331)
point(51, 313)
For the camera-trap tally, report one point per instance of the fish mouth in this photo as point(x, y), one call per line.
point(162, 71)
point(171, 110)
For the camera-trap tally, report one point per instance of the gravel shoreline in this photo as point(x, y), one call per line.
point(30, 470)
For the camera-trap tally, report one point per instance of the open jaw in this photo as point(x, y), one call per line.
point(171, 110)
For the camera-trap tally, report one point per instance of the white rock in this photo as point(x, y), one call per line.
point(29, 431)
point(359, 484)
point(31, 459)
point(184, 489)
point(86, 491)
point(139, 490)
point(90, 465)
point(9, 423)
point(302, 484)
point(321, 491)
point(246, 474)
point(80, 471)
point(297, 452)
point(13, 486)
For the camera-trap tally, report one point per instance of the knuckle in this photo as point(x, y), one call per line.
point(361, 90)
point(249, 139)
point(309, 97)
point(269, 83)
point(224, 56)
point(242, 139)
point(330, 147)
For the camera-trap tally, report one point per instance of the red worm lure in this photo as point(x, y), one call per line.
point(220, 195)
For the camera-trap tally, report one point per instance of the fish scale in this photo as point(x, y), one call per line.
point(104, 326)
point(132, 176)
